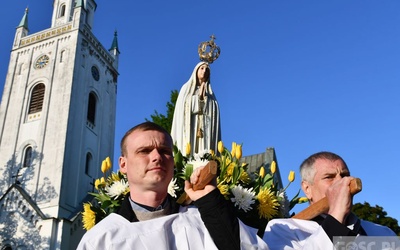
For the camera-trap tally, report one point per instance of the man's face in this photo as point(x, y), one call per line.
point(148, 162)
point(327, 172)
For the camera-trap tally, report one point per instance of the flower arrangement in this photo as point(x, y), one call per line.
point(257, 198)
point(111, 190)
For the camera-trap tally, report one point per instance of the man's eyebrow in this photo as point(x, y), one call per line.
point(144, 147)
point(165, 147)
point(161, 146)
point(345, 172)
point(329, 173)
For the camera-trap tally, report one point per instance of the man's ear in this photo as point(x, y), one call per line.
point(122, 164)
point(305, 185)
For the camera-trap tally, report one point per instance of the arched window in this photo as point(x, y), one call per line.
point(37, 96)
point(91, 114)
point(62, 10)
point(88, 164)
point(27, 161)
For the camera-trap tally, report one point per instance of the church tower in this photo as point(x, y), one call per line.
point(57, 124)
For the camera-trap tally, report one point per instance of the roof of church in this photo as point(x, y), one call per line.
point(264, 159)
point(25, 196)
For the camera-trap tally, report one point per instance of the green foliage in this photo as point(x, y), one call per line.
point(165, 121)
point(375, 214)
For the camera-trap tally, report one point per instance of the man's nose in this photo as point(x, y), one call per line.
point(155, 155)
point(338, 177)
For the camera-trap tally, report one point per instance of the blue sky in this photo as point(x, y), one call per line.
point(299, 76)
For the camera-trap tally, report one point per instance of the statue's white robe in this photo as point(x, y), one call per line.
point(186, 123)
point(183, 230)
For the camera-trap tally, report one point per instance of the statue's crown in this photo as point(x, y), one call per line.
point(209, 51)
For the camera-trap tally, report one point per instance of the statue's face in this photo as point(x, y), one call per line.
point(203, 73)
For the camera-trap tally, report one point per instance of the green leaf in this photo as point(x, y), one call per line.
point(188, 171)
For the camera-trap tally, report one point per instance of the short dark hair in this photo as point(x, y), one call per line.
point(145, 126)
point(307, 170)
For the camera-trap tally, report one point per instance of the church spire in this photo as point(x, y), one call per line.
point(24, 20)
point(114, 45)
point(114, 50)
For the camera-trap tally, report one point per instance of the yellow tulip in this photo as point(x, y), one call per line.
point(291, 176)
point(104, 166)
point(233, 151)
point(188, 149)
point(220, 147)
point(262, 172)
point(97, 183)
point(238, 151)
point(109, 164)
point(231, 167)
point(273, 167)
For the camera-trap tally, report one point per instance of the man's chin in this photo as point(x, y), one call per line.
point(161, 180)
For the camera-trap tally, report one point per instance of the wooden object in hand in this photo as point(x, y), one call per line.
point(322, 205)
point(206, 175)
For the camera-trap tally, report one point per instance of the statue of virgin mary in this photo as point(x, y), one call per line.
point(196, 117)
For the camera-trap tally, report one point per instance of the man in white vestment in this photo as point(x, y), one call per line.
point(196, 116)
point(323, 174)
point(149, 218)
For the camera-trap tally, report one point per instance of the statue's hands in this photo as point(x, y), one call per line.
point(194, 178)
point(202, 90)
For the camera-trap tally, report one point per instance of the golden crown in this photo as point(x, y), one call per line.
point(209, 51)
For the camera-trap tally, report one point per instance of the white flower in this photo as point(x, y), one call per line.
point(284, 203)
point(117, 188)
point(197, 162)
point(243, 197)
point(172, 187)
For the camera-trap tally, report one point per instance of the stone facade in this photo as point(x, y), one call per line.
point(57, 123)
